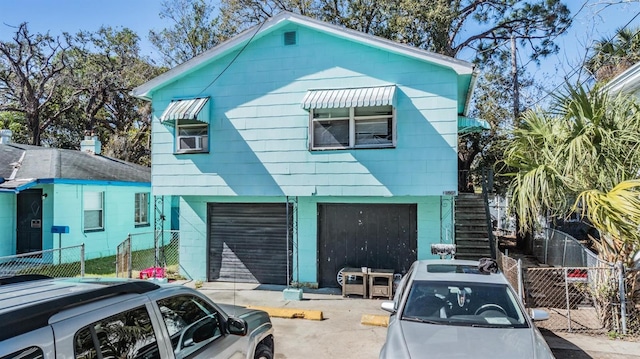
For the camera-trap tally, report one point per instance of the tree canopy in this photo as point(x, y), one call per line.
point(54, 89)
point(32, 66)
point(194, 30)
point(442, 26)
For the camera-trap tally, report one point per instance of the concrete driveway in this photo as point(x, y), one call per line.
point(341, 333)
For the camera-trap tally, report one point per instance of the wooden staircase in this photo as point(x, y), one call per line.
point(472, 231)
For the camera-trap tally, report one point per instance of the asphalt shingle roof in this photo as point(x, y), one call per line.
point(35, 162)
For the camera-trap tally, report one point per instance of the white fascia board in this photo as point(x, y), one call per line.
point(628, 81)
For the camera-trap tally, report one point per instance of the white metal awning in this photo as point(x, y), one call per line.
point(188, 109)
point(350, 97)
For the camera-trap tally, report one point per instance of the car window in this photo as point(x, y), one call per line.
point(402, 287)
point(124, 335)
point(191, 323)
point(28, 353)
point(461, 303)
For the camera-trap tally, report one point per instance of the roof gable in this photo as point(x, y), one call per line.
point(146, 90)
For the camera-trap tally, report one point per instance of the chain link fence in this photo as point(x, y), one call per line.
point(576, 298)
point(631, 304)
point(512, 270)
point(150, 255)
point(61, 262)
point(580, 291)
point(557, 248)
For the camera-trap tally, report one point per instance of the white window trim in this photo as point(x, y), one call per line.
point(137, 204)
point(204, 140)
point(352, 130)
point(84, 210)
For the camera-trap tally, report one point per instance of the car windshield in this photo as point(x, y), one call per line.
point(463, 303)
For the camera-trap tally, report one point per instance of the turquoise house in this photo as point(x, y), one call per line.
point(54, 198)
point(299, 148)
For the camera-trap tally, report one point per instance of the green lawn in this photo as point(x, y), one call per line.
point(106, 266)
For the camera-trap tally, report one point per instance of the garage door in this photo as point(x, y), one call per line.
point(248, 242)
point(371, 235)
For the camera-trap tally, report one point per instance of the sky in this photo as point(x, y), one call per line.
point(593, 21)
point(57, 16)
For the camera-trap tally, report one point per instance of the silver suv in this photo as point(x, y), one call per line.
point(83, 318)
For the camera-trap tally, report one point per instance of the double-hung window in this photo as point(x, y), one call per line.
point(93, 211)
point(142, 209)
point(191, 120)
point(354, 127)
point(351, 118)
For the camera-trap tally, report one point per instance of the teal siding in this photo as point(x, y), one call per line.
point(119, 209)
point(193, 229)
point(259, 132)
point(7, 224)
point(63, 206)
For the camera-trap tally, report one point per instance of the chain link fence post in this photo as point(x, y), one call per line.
point(566, 293)
point(623, 297)
point(82, 267)
point(520, 280)
point(129, 269)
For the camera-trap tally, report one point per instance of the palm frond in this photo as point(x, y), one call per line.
point(616, 212)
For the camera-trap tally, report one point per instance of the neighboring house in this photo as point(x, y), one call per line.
point(626, 82)
point(298, 148)
point(100, 199)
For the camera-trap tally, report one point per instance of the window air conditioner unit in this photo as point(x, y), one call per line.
point(190, 143)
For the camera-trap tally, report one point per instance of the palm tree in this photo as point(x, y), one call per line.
point(611, 56)
point(570, 156)
point(582, 156)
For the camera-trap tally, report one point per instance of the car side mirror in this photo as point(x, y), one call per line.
point(237, 326)
point(539, 315)
point(196, 332)
point(388, 306)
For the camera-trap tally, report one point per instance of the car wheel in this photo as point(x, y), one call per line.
point(263, 352)
point(340, 277)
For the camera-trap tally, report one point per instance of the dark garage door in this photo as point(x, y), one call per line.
point(371, 235)
point(247, 242)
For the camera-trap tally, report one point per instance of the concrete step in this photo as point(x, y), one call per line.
point(480, 233)
point(464, 219)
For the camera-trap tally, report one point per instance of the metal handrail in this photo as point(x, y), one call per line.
point(487, 185)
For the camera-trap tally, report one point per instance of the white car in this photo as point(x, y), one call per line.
point(452, 308)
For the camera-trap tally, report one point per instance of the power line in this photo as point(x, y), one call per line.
point(579, 67)
point(234, 58)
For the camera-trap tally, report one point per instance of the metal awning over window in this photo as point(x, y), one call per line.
point(352, 97)
point(470, 125)
point(194, 109)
